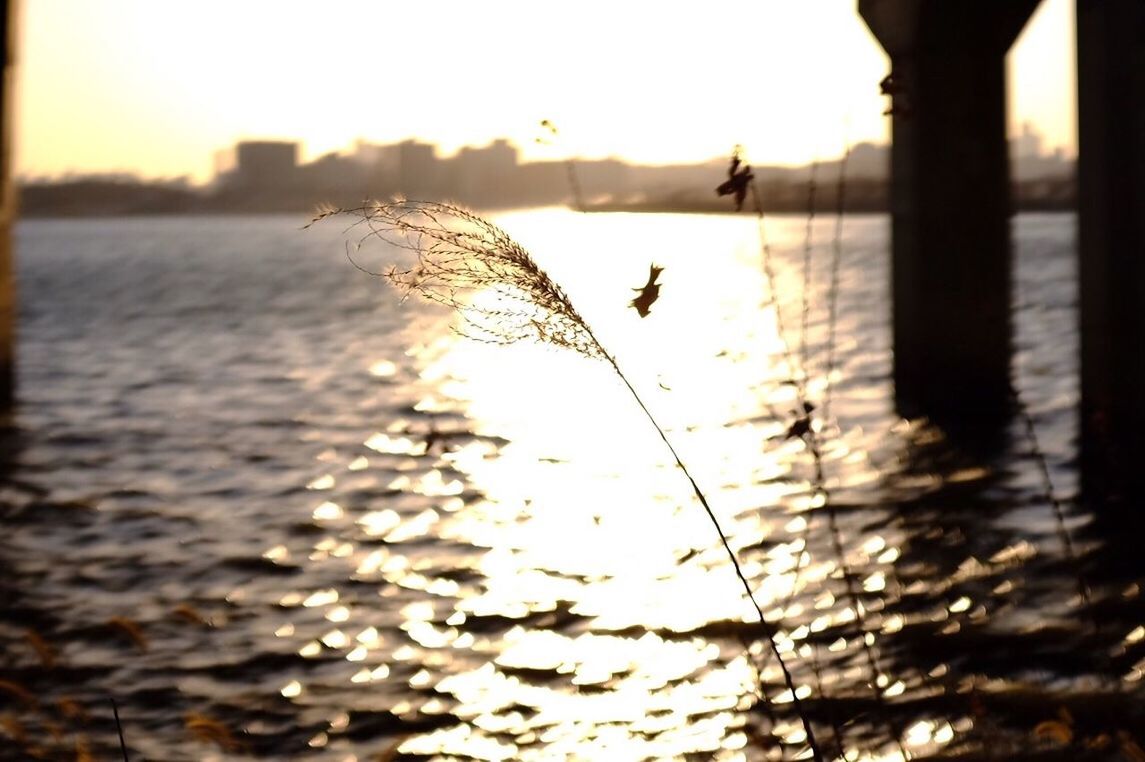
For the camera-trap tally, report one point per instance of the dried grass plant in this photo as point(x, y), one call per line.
point(469, 264)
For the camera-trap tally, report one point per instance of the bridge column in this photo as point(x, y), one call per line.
point(1111, 237)
point(950, 204)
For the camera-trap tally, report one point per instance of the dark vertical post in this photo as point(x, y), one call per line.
point(950, 204)
point(1111, 237)
point(8, 35)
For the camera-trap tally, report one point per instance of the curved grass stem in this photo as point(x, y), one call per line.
point(768, 630)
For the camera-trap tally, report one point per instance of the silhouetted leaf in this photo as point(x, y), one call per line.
point(649, 292)
point(799, 428)
point(738, 181)
point(893, 88)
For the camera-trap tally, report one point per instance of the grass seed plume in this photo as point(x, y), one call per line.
point(469, 264)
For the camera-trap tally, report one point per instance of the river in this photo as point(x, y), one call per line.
point(274, 510)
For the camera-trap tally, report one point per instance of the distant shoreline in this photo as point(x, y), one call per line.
point(634, 207)
point(100, 198)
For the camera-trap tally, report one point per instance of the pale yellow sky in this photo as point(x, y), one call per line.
point(155, 87)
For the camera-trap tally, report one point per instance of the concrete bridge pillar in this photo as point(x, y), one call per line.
point(1111, 238)
point(950, 204)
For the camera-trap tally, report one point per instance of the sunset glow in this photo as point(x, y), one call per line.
point(156, 88)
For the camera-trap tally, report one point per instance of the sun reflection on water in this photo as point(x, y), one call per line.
point(585, 521)
point(531, 578)
point(375, 539)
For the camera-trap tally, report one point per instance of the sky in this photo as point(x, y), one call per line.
point(156, 87)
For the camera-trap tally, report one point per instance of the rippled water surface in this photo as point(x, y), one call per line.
point(275, 511)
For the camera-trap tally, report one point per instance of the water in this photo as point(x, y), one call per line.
point(274, 511)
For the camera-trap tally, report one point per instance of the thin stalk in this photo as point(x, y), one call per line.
point(799, 376)
point(853, 596)
point(574, 183)
point(816, 665)
point(119, 729)
point(1051, 497)
point(833, 289)
point(768, 630)
point(570, 166)
point(832, 324)
point(773, 293)
point(806, 297)
point(812, 437)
